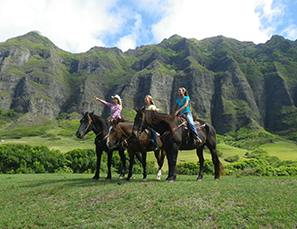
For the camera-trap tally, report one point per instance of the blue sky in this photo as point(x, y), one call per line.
point(78, 25)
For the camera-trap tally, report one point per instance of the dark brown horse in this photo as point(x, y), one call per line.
point(121, 134)
point(175, 136)
point(100, 126)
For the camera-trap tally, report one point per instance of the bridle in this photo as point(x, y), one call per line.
point(124, 142)
point(89, 123)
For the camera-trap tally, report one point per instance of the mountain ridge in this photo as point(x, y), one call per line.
point(232, 84)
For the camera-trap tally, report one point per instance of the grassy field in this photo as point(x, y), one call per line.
point(74, 201)
point(283, 150)
point(64, 144)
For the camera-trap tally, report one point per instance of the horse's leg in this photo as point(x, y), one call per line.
point(139, 157)
point(99, 154)
point(171, 152)
point(123, 159)
point(144, 165)
point(199, 152)
point(211, 145)
point(157, 156)
point(216, 162)
point(109, 157)
point(131, 156)
point(160, 160)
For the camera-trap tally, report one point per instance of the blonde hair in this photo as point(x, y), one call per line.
point(151, 99)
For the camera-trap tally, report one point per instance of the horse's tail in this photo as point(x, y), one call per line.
point(211, 136)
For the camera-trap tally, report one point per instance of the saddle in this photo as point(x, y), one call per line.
point(185, 125)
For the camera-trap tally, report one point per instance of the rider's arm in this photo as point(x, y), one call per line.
point(183, 107)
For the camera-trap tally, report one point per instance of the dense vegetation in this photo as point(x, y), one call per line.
point(19, 158)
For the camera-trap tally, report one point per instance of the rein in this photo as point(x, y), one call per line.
point(89, 123)
point(124, 140)
point(102, 138)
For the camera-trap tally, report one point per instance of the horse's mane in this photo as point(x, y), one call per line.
point(155, 117)
point(98, 119)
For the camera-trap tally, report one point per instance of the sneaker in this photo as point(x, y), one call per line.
point(198, 140)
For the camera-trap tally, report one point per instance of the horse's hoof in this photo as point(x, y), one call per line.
point(144, 180)
point(158, 178)
point(170, 181)
point(199, 179)
point(107, 179)
point(95, 180)
point(121, 177)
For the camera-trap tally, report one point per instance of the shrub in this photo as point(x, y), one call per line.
point(80, 160)
point(191, 168)
point(232, 158)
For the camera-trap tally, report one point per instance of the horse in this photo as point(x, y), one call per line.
point(121, 134)
point(175, 136)
point(100, 126)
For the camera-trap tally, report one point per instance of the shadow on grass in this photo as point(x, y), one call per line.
point(82, 181)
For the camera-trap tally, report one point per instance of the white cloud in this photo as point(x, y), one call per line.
point(78, 25)
point(126, 43)
point(291, 32)
point(231, 18)
point(71, 25)
point(130, 41)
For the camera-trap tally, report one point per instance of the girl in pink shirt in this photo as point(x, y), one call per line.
point(115, 108)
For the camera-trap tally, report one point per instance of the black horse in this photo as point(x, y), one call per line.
point(176, 136)
point(100, 126)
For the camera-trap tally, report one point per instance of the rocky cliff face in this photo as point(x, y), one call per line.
point(231, 84)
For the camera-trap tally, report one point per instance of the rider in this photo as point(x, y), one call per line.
point(115, 108)
point(150, 106)
point(183, 106)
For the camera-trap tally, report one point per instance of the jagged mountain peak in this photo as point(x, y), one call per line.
point(231, 83)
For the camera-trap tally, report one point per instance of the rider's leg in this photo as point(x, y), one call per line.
point(190, 120)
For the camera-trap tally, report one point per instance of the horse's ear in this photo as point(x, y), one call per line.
point(92, 113)
point(143, 108)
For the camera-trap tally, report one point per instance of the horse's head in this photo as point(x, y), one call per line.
point(85, 125)
point(115, 134)
point(139, 123)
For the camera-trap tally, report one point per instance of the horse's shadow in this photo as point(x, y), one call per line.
point(81, 182)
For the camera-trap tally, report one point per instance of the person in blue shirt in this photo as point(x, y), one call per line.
point(182, 106)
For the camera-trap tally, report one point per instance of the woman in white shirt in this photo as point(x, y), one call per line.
point(150, 106)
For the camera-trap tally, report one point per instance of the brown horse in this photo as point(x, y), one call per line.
point(121, 134)
point(175, 136)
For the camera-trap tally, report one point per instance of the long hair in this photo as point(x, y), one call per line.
point(151, 100)
point(186, 93)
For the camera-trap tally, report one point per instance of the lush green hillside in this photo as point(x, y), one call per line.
point(232, 84)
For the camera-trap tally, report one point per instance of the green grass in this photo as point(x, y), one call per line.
point(64, 144)
point(73, 201)
point(283, 150)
